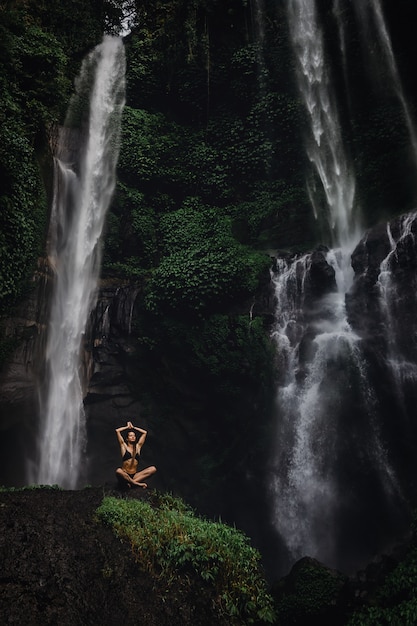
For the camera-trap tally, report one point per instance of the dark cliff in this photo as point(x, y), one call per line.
point(60, 565)
point(211, 184)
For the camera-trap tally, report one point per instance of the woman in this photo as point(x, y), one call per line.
point(130, 449)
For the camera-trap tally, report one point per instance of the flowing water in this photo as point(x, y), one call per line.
point(327, 432)
point(334, 200)
point(372, 17)
point(84, 184)
point(328, 429)
point(402, 366)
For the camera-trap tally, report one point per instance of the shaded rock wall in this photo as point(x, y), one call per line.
point(60, 566)
point(108, 397)
point(19, 378)
point(111, 398)
point(382, 309)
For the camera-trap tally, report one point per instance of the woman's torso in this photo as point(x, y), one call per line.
point(130, 459)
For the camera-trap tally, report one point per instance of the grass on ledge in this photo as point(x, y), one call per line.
point(169, 540)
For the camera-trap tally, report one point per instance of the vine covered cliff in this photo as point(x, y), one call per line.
point(211, 187)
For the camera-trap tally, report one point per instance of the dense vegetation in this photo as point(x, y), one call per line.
point(172, 544)
point(207, 188)
point(210, 181)
point(163, 562)
point(394, 600)
point(41, 47)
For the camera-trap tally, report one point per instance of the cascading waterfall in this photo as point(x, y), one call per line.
point(337, 11)
point(372, 10)
point(403, 369)
point(84, 185)
point(316, 431)
point(325, 146)
point(318, 354)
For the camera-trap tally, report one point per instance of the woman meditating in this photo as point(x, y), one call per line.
point(130, 449)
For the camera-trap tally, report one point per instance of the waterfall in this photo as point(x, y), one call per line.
point(337, 12)
point(372, 10)
point(324, 147)
point(326, 438)
point(399, 360)
point(84, 184)
point(321, 434)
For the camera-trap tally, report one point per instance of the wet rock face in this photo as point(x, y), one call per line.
point(363, 301)
point(108, 396)
point(110, 399)
point(19, 378)
point(322, 278)
point(382, 309)
point(394, 245)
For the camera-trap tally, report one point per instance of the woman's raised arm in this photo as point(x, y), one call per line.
point(143, 433)
point(119, 432)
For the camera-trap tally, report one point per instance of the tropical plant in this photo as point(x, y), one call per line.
point(169, 540)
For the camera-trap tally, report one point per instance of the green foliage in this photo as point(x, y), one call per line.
point(152, 149)
point(22, 211)
point(31, 488)
point(186, 227)
point(33, 81)
point(222, 352)
point(78, 25)
point(208, 173)
point(395, 600)
point(167, 56)
point(403, 614)
point(384, 171)
point(34, 72)
point(232, 353)
point(169, 540)
point(205, 127)
point(205, 267)
point(131, 239)
point(266, 219)
point(312, 593)
point(203, 278)
point(39, 72)
point(41, 45)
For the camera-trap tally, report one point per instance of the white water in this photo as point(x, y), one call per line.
point(324, 147)
point(371, 11)
point(83, 190)
point(402, 369)
point(337, 12)
point(310, 450)
point(318, 355)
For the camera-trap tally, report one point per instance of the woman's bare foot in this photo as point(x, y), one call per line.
point(143, 485)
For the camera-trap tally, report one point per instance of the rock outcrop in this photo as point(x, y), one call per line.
point(19, 377)
point(59, 565)
point(382, 310)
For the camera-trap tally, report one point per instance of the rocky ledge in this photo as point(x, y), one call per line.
point(60, 565)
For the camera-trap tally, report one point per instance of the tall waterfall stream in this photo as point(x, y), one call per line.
point(84, 183)
point(328, 440)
